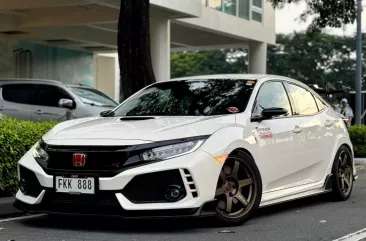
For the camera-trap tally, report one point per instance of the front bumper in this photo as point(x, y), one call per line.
point(206, 210)
point(198, 172)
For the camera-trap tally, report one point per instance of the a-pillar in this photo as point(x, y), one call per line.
point(257, 58)
point(160, 47)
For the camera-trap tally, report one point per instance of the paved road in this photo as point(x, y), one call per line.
point(311, 219)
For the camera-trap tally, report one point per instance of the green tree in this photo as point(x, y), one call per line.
point(327, 13)
point(316, 59)
point(311, 59)
point(208, 62)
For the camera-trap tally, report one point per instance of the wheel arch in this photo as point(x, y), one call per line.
point(349, 149)
point(243, 150)
point(240, 149)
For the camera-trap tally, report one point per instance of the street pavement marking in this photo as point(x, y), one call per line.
point(22, 218)
point(356, 236)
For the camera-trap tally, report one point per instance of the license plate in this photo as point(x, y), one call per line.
point(75, 185)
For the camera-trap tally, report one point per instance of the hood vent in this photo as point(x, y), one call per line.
point(137, 118)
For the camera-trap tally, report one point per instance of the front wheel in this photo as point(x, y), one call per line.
point(239, 189)
point(342, 175)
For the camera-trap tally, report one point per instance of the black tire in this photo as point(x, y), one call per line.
point(253, 175)
point(339, 193)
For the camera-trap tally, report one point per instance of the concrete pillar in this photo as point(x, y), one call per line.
point(160, 47)
point(257, 58)
point(106, 74)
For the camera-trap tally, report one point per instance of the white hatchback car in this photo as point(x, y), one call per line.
point(219, 145)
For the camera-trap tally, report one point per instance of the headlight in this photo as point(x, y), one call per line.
point(170, 151)
point(40, 155)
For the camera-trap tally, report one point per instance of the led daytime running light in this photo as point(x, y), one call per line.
point(170, 151)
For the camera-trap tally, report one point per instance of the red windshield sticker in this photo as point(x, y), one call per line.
point(265, 133)
point(233, 109)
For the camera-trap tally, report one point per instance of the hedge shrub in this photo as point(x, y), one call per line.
point(358, 138)
point(16, 138)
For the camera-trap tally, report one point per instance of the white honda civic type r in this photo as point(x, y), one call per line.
point(219, 145)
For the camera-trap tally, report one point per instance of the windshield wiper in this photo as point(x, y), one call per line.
point(107, 105)
point(93, 104)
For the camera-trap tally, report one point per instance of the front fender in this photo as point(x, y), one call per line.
point(226, 140)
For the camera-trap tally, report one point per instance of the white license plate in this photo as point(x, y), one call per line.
point(75, 185)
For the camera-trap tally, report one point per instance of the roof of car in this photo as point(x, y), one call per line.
point(29, 79)
point(222, 76)
point(42, 81)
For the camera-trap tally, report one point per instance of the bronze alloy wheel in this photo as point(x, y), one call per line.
point(238, 193)
point(345, 175)
point(342, 174)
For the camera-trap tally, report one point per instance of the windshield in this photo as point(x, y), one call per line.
point(93, 97)
point(189, 98)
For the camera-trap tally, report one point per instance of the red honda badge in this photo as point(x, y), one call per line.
point(78, 159)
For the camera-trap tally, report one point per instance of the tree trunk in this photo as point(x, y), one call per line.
point(134, 55)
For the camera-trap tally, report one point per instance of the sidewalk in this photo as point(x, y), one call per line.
point(6, 208)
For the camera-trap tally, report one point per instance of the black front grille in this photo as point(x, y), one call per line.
point(151, 187)
point(104, 161)
point(33, 187)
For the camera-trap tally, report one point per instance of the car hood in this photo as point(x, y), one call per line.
point(120, 131)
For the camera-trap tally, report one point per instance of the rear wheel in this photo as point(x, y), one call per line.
point(239, 189)
point(342, 175)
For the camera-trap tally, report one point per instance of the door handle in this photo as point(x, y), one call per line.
point(39, 112)
point(2, 108)
point(298, 129)
point(329, 123)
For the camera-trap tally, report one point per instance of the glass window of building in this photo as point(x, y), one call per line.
point(256, 16)
point(244, 8)
point(257, 3)
point(229, 6)
point(216, 4)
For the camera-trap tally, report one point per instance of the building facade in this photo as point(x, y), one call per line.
point(60, 39)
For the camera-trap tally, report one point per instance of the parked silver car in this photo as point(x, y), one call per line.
point(44, 100)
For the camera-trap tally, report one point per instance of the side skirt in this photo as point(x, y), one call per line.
point(327, 187)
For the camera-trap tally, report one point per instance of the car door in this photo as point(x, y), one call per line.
point(47, 108)
point(317, 128)
point(16, 100)
point(280, 139)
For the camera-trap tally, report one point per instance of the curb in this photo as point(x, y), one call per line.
point(7, 209)
point(360, 161)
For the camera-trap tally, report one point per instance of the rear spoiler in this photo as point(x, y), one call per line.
point(326, 93)
point(329, 89)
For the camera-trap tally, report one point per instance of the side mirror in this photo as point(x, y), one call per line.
point(107, 113)
point(270, 113)
point(66, 103)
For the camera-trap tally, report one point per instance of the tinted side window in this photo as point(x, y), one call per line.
point(20, 93)
point(304, 100)
point(272, 94)
point(50, 95)
point(319, 103)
